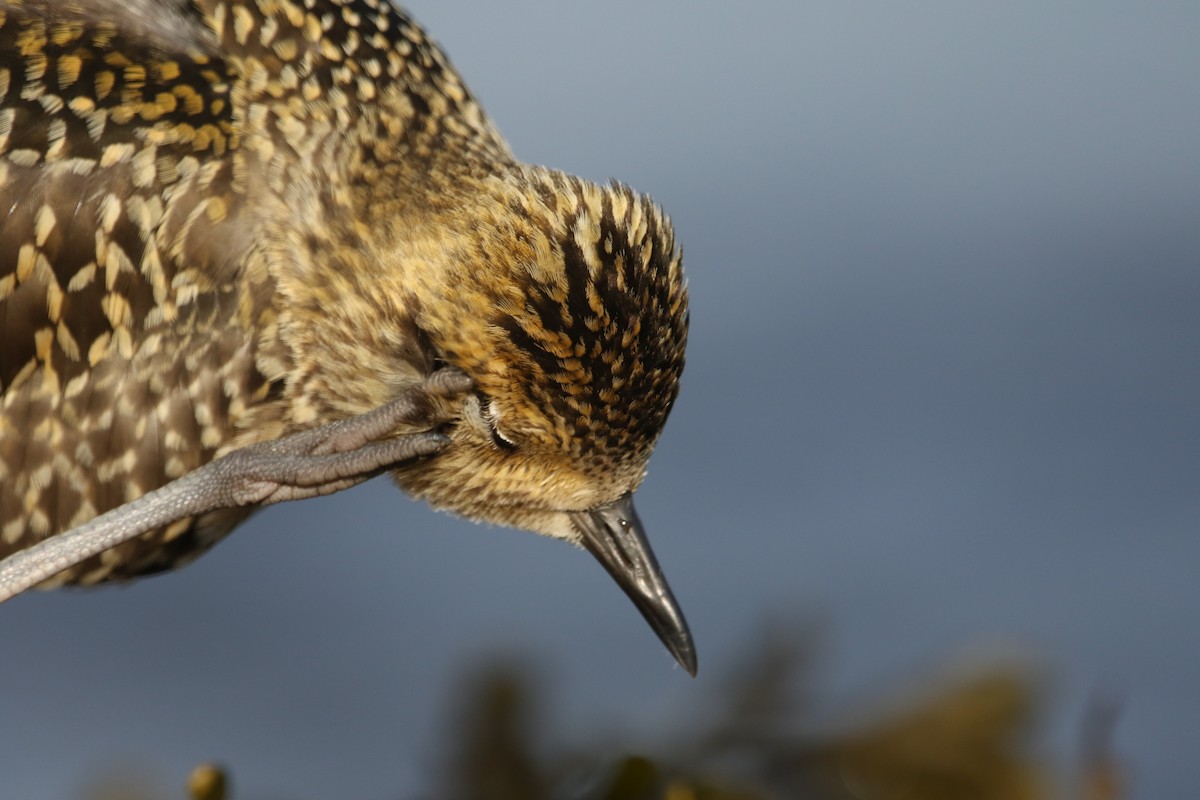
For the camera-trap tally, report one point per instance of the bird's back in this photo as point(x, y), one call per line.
point(149, 154)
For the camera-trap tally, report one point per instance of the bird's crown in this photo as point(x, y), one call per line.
point(565, 302)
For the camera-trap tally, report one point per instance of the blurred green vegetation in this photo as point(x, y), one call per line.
point(963, 735)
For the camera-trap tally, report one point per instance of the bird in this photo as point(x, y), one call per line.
point(282, 238)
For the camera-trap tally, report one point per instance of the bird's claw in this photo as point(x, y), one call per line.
point(342, 454)
point(420, 408)
point(448, 382)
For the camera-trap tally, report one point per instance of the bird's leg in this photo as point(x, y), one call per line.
point(315, 462)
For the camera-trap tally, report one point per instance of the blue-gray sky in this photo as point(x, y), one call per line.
point(943, 388)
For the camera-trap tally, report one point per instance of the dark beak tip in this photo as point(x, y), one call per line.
point(672, 630)
point(686, 658)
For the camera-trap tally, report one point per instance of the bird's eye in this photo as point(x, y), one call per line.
point(489, 417)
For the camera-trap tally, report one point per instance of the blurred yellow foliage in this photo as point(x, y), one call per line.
point(207, 782)
point(963, 738)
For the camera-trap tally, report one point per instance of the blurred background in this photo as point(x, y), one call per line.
point(942, 398)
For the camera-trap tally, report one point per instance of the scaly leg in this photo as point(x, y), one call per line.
point(312, 463)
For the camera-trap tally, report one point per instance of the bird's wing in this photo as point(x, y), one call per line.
point(125, 307)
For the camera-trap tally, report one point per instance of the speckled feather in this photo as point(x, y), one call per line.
point(223, 222)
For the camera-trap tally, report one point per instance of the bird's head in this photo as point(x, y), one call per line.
point(565, 303)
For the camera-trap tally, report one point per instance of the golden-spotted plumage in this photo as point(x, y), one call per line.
point(225, 222)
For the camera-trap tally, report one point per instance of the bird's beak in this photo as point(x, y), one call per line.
point(613, 534)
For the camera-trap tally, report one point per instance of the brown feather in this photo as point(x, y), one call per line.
point(222, 222)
